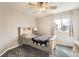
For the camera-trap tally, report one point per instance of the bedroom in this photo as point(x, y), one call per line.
point(14, 15)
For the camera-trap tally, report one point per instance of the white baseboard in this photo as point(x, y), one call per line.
point(65, 44)
point(8, 49)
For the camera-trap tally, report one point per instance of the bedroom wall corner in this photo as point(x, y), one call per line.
point(45, 25)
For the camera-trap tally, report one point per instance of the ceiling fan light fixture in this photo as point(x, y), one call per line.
point(42, 9)
point(41, 6)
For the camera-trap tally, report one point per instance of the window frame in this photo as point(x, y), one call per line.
point(61, 18)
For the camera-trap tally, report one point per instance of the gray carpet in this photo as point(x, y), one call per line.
point(25, 51)
point(28, 51)
point(62, 51)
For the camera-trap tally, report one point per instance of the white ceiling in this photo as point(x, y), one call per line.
point(61, 6)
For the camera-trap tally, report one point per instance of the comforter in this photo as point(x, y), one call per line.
point(43, 39)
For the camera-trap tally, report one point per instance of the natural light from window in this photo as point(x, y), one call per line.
point(61, 24)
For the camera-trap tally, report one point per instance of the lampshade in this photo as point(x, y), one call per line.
point(35, 29)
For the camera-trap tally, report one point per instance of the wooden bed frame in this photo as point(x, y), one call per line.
point(27, 40)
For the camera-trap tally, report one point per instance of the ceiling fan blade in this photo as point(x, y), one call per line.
point(52, 7)
point(40, 5)
point(32, 5)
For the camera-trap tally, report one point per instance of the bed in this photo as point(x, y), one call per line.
point(42, 42)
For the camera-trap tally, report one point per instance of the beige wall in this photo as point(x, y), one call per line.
point(9, 21)
point(45, 24)
point(2, 29)
point(75, 18)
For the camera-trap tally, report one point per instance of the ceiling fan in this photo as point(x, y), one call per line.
point(41, 5)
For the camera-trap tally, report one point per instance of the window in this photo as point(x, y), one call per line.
point(61, 24)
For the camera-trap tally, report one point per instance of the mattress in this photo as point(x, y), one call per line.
point(43, 39)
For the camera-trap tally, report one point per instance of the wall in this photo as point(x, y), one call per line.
point(75, 18)
point(10, 19)
point(45, 24)
point(2, 28)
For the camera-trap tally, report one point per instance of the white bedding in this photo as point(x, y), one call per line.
point(43, 37)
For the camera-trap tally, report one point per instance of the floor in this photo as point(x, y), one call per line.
point(28, 51)
point(25, 51)
point(63, 51)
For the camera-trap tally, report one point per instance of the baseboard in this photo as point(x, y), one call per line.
point(64, 44)
point(8, 49)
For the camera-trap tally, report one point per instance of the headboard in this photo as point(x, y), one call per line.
point(25, 31)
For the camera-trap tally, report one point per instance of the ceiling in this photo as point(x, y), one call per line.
point(22, 7)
